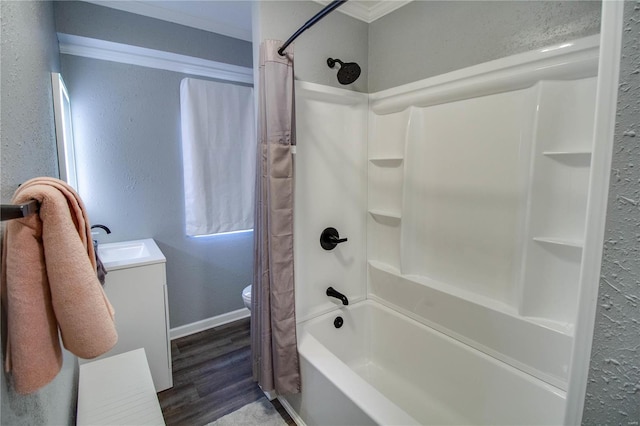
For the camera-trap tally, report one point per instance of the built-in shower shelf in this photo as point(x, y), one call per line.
point(387, 161)
point(563, 327)
point(567, 154)
point(384, 266)
point(445, 288)
point(560, 242)
point(385, 214)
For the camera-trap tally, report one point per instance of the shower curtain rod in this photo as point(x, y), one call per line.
point(318, 16)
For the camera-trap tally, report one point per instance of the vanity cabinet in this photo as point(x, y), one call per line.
point(136, 287)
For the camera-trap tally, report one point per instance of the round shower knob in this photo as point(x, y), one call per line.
point(330, 238)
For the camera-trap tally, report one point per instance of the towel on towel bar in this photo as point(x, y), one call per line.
point(49, 282)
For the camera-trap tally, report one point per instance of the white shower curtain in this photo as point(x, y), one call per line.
point(218, 148)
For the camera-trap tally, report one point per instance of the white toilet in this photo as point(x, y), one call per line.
point(246, 297)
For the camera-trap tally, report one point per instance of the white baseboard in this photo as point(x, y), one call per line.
point(205, 324)
point(289, 409)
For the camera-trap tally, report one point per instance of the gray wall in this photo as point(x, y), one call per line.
point(29, 54)
point(337, 36)
point(90, 20)
point(128, 142)
point(613, 389)
point(427, 38)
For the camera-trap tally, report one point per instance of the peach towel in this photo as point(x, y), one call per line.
point(49, 282)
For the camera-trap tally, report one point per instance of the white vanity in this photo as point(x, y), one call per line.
point(136, 287)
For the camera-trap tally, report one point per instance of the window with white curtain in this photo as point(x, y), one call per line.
point(219, 156)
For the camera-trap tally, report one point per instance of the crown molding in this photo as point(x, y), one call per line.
point(385, 7)
point(141, 56)
point(368, 13)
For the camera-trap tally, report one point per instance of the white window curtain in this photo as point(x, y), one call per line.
point(218, 153)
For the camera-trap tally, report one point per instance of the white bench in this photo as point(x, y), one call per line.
point(118, 390)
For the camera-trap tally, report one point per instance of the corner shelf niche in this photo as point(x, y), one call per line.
point(383, 242)
point(386, 175)
point(559, 192)
point(385, 183)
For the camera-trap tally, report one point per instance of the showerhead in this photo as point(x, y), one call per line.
point(348, 73)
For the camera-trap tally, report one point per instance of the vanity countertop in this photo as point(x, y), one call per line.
point(130, 254)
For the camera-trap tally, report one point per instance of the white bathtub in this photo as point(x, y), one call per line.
point(383, 368)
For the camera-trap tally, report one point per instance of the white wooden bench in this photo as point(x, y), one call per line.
point(118, 390)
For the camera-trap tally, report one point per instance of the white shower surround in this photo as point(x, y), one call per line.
point(518, 315)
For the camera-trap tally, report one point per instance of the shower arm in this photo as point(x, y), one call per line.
point(318, 16)
point(332, 62)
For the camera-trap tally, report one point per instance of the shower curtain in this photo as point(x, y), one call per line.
point(273, 322)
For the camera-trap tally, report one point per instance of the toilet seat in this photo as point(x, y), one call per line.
point(246, 297)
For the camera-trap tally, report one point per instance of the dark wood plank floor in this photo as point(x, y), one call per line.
point(212, 376)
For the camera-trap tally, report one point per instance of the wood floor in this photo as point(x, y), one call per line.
point(211, 376)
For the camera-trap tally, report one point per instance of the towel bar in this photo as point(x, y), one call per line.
point(13, 211)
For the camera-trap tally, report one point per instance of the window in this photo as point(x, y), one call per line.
point(64, 131)
point(219, 155)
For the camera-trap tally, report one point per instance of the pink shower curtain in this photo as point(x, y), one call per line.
point(273, 321)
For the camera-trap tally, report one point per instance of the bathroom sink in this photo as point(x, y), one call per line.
point(121, 251)
point(129, 254)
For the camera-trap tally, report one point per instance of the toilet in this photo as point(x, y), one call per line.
point(246, 297)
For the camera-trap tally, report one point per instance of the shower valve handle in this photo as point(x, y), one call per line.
point(330, 238)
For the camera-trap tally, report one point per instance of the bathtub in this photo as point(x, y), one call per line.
point(383, 368)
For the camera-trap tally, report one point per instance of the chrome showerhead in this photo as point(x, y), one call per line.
point(348, 72)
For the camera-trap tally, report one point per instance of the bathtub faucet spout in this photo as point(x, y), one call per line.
point(331, 292)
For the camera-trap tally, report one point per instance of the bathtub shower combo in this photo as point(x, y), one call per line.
point(465, 199)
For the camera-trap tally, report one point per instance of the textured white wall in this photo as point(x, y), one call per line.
point(613, 389)
point(29, 55)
